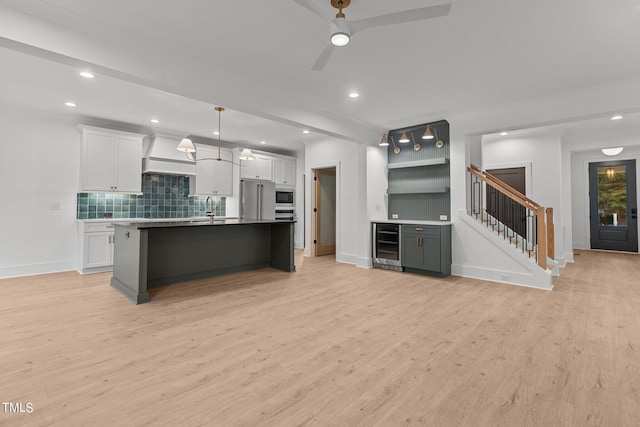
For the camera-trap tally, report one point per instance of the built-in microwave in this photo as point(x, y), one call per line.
point(285, 198)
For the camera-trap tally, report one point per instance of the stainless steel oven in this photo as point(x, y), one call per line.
point(386, 246)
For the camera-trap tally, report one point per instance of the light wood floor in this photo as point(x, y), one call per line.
point(330, 345)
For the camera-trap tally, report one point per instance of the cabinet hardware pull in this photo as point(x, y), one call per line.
point(417, 241)
point(419, 229)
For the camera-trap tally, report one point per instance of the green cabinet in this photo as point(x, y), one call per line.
point(426, 249)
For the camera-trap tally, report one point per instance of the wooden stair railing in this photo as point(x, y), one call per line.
point(542, 219)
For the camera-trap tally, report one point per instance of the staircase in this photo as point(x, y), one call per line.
point(503, 213)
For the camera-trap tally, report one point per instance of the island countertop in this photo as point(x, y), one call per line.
point(150, 254)
point(194, 222)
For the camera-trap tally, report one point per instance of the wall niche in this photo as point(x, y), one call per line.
point(418, 173)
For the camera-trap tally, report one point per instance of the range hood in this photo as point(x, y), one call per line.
point(160, 156)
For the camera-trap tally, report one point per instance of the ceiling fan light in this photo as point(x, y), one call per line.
point(186, 146)
point(403, 139)
point(427, 133)
point(246, 154)
point(340, 39)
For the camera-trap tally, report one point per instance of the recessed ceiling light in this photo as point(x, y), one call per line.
point(504, 133)
point(263, 142)
point(305, 131)
point(154, 121)
point(87, 75)
point(353, 94)
point(616, 117)
point(215, 132)
point(70, 104)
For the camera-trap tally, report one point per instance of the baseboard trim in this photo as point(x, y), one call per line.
point(36, 269)
point(355, 260)
point(506, 277)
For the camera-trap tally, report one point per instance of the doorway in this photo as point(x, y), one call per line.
point(325, 211)
point(612, 205)
point(504, 209)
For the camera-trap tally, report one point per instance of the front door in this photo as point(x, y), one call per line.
point(504, 209)
point(613, 208)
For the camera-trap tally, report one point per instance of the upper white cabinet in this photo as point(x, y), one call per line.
point(111, 161)
point(284, 172)
point(213, 177)
point(259, 168)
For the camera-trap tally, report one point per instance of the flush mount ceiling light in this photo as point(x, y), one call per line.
point(70, 104)
point(154, 121)
point(187, 147)
point(427, 133)
point(504, 133)
point(87, 74)
point(353, 94)
point(263, 142)
point(612, 151)
point(305, 131)
point(384, 142)
point(403, 138)
point(616, 117)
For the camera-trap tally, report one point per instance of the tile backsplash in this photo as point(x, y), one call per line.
point(164, 196)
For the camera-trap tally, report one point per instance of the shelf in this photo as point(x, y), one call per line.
point(418, 163)
point(431, 190)
point(387, 242)
point(387, 232)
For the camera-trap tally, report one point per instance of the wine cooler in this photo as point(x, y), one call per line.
point(386, 246)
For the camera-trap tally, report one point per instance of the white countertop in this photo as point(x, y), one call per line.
point(410, 221)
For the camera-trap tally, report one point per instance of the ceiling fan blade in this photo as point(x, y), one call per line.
point(401, 17)
point(323, 58)
point(310, 5)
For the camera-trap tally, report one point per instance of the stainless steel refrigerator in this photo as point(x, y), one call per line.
point(257, 199)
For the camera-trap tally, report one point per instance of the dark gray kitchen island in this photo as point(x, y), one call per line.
point(152, 254)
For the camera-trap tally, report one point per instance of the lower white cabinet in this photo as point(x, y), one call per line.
point(95, 249)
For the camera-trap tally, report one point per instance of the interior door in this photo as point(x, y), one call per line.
point(501, 207)
point(613, 207)
point(325, 185)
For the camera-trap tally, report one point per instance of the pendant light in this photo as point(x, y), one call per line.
point(611, 173)
point(188, 148)
point(403, 139)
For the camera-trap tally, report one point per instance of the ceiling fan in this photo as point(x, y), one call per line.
point(341, 30)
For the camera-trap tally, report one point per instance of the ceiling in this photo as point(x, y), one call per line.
point(176, 60)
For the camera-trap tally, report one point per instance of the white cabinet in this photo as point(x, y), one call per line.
point(95, 251)
point(213, 177)
point(259, 168)
point(284, 172)
point(111, 161)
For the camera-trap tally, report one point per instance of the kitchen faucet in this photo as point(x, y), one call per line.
point(209, 213)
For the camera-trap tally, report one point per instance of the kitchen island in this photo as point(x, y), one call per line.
point(152, 254)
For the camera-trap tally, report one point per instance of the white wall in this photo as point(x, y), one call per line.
point(584, 146)
point(377, 183)
point(39, 160)
point(352, 225)
point(541, 155)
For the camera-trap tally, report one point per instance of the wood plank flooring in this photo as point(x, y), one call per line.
point(330, 345)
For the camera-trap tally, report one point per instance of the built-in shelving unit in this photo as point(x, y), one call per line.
point(419, 180)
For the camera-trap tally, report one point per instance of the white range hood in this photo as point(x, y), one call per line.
point(160, 156)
